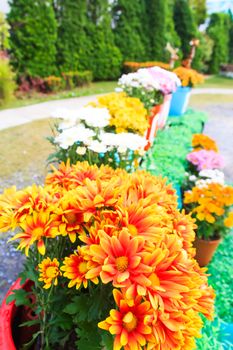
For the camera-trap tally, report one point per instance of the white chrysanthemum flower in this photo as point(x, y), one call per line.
point(139, 79)
point(192, 178)
point(69, 136)
point(211, 173)
point(124, 141)
point(94, 117)
point(67, 123)
point(97, 147)
point(81, 150)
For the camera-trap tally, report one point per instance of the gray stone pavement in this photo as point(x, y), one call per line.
point(220, 128)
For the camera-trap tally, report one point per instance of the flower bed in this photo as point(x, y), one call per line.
point(108, 248)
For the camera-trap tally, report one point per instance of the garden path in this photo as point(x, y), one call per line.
point(18, 116)
point(22, 115)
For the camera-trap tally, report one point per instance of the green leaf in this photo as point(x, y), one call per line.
point(79, 306)
point(20, 296)
point(89, 336)
point(107, 340)
point(29, 323)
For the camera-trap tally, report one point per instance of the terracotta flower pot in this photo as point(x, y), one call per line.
point(11, 336)
point(205, 250)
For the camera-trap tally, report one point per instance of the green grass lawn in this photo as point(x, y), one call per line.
point(99, 87)
point(24, 149)
point(217, 81)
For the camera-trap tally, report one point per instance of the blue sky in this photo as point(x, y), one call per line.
point(4, 6)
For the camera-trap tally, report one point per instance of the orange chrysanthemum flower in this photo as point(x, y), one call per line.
point(228, 222)
point(127, 323)
point(35, 228)
point(120, 259)
point(49, 272)
point(201, 141)
point(75, 268)
point(209, 203)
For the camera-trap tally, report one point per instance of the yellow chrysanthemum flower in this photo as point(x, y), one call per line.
point(127, 113)
point(49, 272)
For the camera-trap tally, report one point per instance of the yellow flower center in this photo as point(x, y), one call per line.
point(38, 232)
point(71, 218)
point(133, 230)
point(82, 267)
point(130, 326)
point(52, 271)
point(122, 263)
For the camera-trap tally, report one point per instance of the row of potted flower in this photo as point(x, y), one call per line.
point(108, 254)
point(207, 197)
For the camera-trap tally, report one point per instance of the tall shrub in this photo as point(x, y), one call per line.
point(104, 58)
point(4, 32)
point(129, 20)
point(231, 39)
point(7, 83)
point(33, 37)
point(218, 30)
point(184, 24)
point(72, 43)
point(156, 14)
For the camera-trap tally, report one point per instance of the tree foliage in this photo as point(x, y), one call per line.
point(33, 37)
point(72, 42)
point(199, 9)
point(156, 17)
point(129, 29)
point(4, 32)
point(219, 30)
point(104, 58)
point(184, 24)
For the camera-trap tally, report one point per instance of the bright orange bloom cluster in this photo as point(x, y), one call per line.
point(188, 77)
point(134, 66)
point(131, 236)
point(211, 203)
point(201, 141)
point(128, 113)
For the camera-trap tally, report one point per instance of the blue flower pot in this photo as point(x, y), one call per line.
point(179, 102)
point(227, 334)
point(178, 193)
